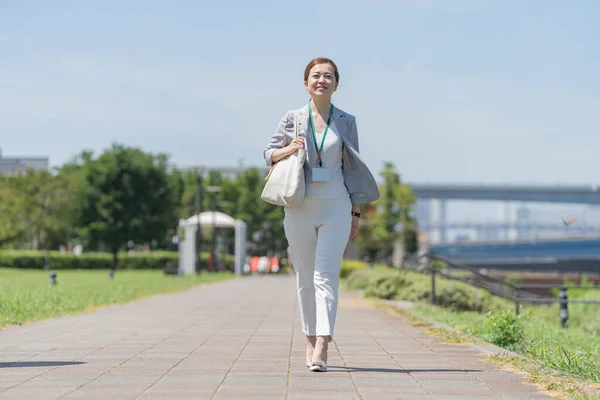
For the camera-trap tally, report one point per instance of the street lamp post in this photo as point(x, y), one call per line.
point(213, 254)
point(198, 207)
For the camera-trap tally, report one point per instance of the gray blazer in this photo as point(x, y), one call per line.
point(358, 179)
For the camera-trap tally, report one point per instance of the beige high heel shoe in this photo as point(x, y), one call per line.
point(320, 365)
point(311, 341)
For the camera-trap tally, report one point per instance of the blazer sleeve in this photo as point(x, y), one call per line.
point(354, 134)
point(279, 138)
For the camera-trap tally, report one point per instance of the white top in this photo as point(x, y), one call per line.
point(331, 156)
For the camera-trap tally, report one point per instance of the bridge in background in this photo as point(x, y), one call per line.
point(526, 226)
point(442, 193)
point(546, 194)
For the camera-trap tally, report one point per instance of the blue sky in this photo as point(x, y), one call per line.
point(467, 91)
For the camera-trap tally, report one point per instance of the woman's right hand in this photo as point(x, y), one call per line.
point(288, 150)
point(297, 144)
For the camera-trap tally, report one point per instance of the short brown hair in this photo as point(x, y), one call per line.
point(321, 60)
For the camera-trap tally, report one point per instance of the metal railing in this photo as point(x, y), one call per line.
point(515, 292)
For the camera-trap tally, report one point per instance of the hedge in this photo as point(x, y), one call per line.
point(349, 266)
point(401, 284)
point(95, 260)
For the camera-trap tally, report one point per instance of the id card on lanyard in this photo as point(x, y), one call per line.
point(319, 173)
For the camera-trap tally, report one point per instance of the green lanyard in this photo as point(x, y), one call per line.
point(312, 125)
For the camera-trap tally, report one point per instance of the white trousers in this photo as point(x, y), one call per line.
point(318, 232)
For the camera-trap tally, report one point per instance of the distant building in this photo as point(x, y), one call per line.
point(19, 165)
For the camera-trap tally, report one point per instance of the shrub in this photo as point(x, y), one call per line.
point(461, 298)
point(359, 279)
point(156, 260)
point(387, 283)
point(419, 288)
point(349, 266)
point(92, 260)
point(505, 329)
point(385, 286)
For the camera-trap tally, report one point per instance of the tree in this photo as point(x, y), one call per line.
point(380, 228)
point(38, 205)
point(406, 199)
point(187, 194)
point(177, 181)
point(388, 216)
point(264, 221)
point(367, 246)
point(411, 236)
point(130, 196)
point(59, 225)
point(12, 226)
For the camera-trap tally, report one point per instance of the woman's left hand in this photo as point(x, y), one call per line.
point(354, 228)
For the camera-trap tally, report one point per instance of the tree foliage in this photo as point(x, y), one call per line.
point(388, 219)
point(38, 207)
point(125, 195)
point(129, 197)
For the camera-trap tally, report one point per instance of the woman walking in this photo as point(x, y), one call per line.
point(337, 182)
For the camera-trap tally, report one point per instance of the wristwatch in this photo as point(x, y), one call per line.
point(355, 214)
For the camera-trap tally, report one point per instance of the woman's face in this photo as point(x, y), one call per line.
point(321, 80)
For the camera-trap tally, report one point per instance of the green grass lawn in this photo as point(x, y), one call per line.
point(574, 350)
point(26, 295)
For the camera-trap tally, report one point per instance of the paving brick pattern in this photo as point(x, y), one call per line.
point(240, 339)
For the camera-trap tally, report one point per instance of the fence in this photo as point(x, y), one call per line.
point(515, 292)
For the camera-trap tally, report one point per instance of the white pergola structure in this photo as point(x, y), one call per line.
point(187, 243)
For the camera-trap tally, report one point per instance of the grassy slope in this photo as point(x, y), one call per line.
point(25, 295)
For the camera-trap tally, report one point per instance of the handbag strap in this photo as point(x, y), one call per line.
point(295, 135)
point(296, 124)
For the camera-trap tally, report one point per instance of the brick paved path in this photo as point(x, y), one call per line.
point(239, 339)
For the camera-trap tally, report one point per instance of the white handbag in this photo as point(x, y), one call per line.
point(285, 182)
